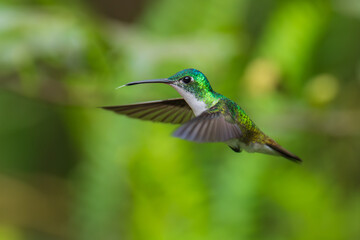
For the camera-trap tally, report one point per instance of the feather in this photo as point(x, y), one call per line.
point(282, 151)
point(175, 111)
point(210, 126)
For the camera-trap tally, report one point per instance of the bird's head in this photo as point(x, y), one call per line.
point(189, 81)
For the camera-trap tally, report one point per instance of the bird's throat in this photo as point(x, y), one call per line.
point(197, 105)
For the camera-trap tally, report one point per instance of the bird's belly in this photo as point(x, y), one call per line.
point(251, 147)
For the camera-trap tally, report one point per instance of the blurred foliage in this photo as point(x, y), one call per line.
point(72, 171)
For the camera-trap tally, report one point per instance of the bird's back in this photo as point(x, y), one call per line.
point(253, 139)
point(250, 132)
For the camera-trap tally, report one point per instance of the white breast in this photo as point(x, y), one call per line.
point(197, 106)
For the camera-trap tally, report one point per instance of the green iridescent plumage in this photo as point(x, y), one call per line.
point(250, 132)
point(206, 115)
point(200, 88)
point(203, 91)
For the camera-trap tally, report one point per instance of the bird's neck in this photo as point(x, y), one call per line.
point(198, 103)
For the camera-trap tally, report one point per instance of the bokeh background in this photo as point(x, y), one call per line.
point(69, 170)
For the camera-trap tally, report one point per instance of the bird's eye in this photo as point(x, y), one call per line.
point(186, 79)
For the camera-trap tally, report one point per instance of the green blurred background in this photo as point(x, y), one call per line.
point(69, 170)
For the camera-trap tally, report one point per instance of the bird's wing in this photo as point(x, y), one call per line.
point(212, 125)
point(175, 111)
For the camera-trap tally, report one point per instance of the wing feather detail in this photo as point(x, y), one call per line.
point(175, 111)
point(209, 127)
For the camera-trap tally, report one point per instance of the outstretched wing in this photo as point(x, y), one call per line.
point(210, 126)
point(174, 111)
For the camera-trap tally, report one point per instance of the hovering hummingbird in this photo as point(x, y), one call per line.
point(205, 115)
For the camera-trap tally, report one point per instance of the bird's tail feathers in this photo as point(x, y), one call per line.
point(282, 151)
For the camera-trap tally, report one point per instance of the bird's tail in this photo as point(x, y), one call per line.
point(282, 151)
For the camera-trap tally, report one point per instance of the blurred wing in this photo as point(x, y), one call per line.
point(174, 111)
point(208, 127)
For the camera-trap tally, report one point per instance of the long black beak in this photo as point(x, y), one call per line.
point(163, 80)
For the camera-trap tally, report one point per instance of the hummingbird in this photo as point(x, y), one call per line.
point(205, 115)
